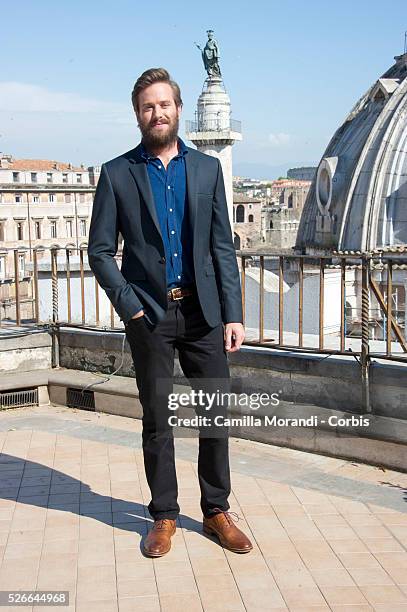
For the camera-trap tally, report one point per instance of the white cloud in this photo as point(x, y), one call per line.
point(279, 140)
point(23, 97)
point(40, 123)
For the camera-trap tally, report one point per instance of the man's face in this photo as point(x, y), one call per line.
point(158, 115)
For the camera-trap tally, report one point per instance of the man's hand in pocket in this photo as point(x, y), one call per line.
point(139, 314)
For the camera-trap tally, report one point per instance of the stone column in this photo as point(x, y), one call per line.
point(214, 132)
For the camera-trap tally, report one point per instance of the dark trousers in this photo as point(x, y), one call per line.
point(201, 355)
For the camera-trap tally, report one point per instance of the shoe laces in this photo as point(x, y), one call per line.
point(228, 516)
point(160, 523)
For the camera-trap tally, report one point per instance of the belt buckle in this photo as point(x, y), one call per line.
point(173, 295)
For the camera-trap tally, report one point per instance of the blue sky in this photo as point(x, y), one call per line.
point(293, 71)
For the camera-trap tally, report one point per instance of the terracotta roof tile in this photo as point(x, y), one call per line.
point(42, 165)
point(238, 197)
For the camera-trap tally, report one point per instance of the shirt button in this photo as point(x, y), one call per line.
point(159, 167)
point(175, 254)
point(178, 276)
point(170, 209)
point(172, 232)
point(168, 187)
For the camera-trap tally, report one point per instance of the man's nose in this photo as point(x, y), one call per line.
point(157, 112)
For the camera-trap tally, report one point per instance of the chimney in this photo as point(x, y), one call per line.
point(5, 160)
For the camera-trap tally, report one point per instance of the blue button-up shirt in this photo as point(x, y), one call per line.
point(171, 201)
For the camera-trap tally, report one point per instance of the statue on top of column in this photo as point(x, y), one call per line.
point(210, 56)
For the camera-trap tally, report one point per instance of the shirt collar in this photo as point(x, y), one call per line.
point(182, 150)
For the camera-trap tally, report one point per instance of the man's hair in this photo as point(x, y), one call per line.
point(151, 76)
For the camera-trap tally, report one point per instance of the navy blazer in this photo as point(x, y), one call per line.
point(124, 203)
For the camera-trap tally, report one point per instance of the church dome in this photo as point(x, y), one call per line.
point(358, 198)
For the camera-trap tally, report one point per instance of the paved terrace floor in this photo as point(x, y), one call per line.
point(328, 534)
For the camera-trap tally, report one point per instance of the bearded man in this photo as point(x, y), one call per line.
point(178, 288)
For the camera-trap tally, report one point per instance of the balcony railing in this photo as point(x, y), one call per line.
point(333, 305)
point(214, 125)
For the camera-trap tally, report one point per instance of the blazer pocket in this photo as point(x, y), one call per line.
point(135, 275)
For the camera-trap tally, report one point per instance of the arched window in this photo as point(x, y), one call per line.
point(271, 224)
point(250, 218)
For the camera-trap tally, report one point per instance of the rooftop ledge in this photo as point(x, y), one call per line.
point(307, 386)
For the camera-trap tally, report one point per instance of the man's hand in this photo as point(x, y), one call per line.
point(234, 335)
point(139, 314)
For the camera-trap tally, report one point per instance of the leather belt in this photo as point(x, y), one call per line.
point(177, 293)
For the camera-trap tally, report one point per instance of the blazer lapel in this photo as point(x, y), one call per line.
point(191, 172)
point(138, 169)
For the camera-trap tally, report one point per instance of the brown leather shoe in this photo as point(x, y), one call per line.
point(221, 524)
point(158, 540)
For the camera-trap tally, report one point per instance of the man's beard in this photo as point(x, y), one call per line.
point(153, 139)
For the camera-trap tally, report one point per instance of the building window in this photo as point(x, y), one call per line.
point(18, 199)
point(36, 199)
point(33, 177)
point(250, 218)
point(16, 177)
point(53, 229)
point(69, 228)
point(68, 198)
point(49, 177)
point(79, 178)
point(20, 230)
point(82, 226)
point(64, 177)
point(51, 197)
point(240, 214)
point(2, 267)
point(37, 229)
point(2, 232)
point(82, 198)
point(21, 264)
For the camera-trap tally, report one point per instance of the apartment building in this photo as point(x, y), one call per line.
point(43, 203)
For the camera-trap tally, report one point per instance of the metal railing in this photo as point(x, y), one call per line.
point(338, 304)
point(372, 281)
point(371, 276)
point(213, 125)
